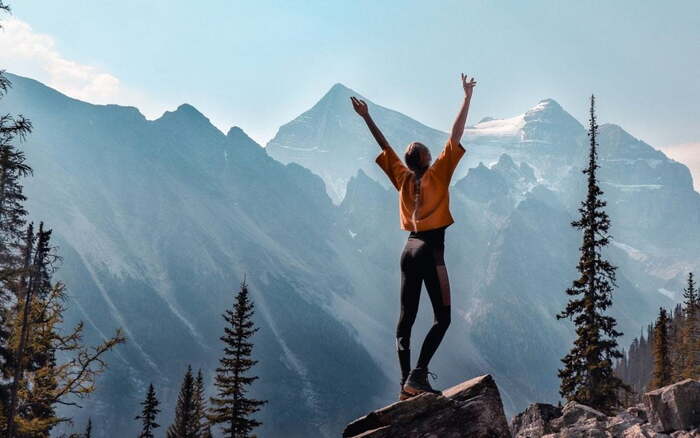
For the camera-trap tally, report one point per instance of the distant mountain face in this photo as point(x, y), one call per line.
point(158, 221)
point(642, 184)
point(333, 142)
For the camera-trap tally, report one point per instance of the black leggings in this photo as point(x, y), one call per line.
point(422, 260)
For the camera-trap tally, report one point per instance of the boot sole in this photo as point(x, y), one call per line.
point(415, 391)
point(405, 396)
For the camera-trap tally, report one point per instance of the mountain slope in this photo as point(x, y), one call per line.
point(158, 222)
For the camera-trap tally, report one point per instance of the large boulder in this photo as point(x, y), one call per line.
point(471, 409)
point(674, 407)
point(535, 421)
point(626, 421)
point(574, 413)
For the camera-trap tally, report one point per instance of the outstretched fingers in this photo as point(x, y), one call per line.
point(355, 103)
point(359, 105)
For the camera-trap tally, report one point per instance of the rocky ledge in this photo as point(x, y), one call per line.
point(672, 411)
point(470, 409)
point(473, 409)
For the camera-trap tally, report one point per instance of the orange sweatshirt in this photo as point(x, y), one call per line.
point(432, 209)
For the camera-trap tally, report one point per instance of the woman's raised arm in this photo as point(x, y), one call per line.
point(361, 109)
point(458, 127)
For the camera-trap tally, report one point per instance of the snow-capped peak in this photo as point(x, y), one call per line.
point(546, 105)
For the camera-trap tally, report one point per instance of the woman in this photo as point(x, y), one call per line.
point(424, 211)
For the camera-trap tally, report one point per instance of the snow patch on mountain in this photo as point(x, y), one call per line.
point(634, 187)
point(511, 127)
point(667, 293)
point(632, 252)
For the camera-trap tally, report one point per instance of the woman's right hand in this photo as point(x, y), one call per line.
point(360, 106)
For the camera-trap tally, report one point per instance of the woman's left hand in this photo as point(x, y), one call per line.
point(468, 86)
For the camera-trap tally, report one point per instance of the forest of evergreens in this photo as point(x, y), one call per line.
point(668, 350)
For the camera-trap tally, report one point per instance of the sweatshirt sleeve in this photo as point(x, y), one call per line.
point(445, 164)
point(392, 165)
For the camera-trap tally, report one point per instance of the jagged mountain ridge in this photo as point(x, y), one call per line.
point(158, 221)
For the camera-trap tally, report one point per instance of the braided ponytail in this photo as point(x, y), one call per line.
point(414, 163)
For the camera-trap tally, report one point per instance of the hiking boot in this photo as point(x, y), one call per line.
point(417, 382)
point(403, 394)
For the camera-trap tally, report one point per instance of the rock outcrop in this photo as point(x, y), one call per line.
point(672, 411)
point(471, 409)
point(535, 420)
point(674, 407)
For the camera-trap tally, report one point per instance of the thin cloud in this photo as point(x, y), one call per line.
point(28, 53)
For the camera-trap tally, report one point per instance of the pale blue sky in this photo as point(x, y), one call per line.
point(258, 64)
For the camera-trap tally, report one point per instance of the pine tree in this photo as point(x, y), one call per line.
point(185, 424)
point(662, 355)
point(587, 376)
point(12, 169)
point(36, 255)
point(689, 337)
point(690, 294)
point(200, 408)
point(38, 382)
point(46, 382)
point(231, 407)
point(148, 413)
point(12, 220)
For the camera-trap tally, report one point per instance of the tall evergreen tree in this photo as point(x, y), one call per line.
point(12, 169)
point(148, 413)
point(689, 337)
point(12, 220)
point(185, 424)
point(232, 408)
point(200, 409)
point(587, 376)
point(662, 355)
point(35, 272)
point(45, 381)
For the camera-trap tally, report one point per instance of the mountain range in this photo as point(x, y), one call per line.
point(158, 221)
